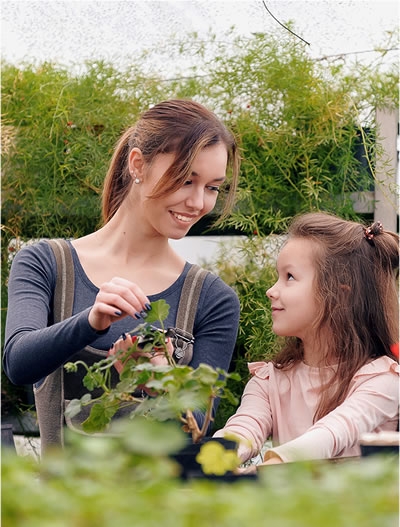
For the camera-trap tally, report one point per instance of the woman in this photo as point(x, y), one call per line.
point(164, 176)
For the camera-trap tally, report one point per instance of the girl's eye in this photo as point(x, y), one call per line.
point(290, 276)
point(212, 188)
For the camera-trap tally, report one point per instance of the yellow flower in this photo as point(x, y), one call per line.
point(214, 459)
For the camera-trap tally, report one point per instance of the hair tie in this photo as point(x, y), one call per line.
point(375, 229)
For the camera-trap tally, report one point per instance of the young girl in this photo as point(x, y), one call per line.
point(336, 378)
point(164, 176)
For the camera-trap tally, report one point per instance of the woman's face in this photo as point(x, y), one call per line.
point(174, 214)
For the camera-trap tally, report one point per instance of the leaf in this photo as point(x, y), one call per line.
point(159, 311)
point(150, 437)
point(99, 417)
point(230, 397)
point(93, 380)
point(74, 407)
point(85, 399)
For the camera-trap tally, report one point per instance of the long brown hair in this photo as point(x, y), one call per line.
point(180, 126)
point(356, 289)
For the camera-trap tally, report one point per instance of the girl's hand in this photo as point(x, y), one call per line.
point(271, 458)
point(272, 461)
point(115, 300)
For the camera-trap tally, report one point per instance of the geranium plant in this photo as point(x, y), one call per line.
point(159, 392)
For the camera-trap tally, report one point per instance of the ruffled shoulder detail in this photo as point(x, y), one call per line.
point(381, 365)
point(260, 369)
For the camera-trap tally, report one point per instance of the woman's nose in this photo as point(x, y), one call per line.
point(196, 199)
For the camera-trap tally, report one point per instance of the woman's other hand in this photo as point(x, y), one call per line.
point(127, 341)
point(115, 300)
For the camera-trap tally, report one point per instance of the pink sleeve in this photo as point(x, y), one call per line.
point(373, 401)
point(252, 422)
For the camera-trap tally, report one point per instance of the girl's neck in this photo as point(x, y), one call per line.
point(316, 351)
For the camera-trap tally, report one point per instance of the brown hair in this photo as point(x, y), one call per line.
point(355, 286)
point(179, 126)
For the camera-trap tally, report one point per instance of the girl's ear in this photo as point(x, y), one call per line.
point(136, 163)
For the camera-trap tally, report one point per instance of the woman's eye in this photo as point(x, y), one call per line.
point(214, 189)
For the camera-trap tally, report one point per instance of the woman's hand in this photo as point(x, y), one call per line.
point(115, 300)
point(126, 342)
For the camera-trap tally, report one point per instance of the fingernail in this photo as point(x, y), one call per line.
point(137, 315)
point(123, 336)
point(112, 345)
point(118, 313)
point(148, 307)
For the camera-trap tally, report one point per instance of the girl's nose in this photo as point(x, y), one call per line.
point(271, 292)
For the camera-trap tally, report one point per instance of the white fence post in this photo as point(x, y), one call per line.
point(386, 197)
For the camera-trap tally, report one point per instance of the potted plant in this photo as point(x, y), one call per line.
point(159, 392)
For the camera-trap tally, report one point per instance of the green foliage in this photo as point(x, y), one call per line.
point(61, 130)
point(301, 123)
point(130, 480)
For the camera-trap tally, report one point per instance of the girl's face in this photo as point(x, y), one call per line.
point(293, 302)
point(173, 215)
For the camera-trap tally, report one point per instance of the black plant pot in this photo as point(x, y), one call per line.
point(191, 469)
point(7, 436)
point(384, 443)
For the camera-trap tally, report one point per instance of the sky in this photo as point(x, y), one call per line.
point(73, 31)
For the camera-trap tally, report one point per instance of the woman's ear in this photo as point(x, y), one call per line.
point(136, 163)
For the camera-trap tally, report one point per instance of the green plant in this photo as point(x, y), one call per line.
point(175, 391)
point(130, 480)
point(307, 127)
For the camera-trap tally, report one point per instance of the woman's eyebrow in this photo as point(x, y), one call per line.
point(221, 179)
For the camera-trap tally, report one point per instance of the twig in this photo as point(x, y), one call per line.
point(285, 27)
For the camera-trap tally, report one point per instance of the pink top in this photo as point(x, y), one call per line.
point(282, 404)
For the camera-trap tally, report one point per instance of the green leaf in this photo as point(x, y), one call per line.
point(145, 437)
point(74, 407)
point(93, 380)
point(99, 417)
point(159, 311)
point(85, 399)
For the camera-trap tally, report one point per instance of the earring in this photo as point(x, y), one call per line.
point(137, 181)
